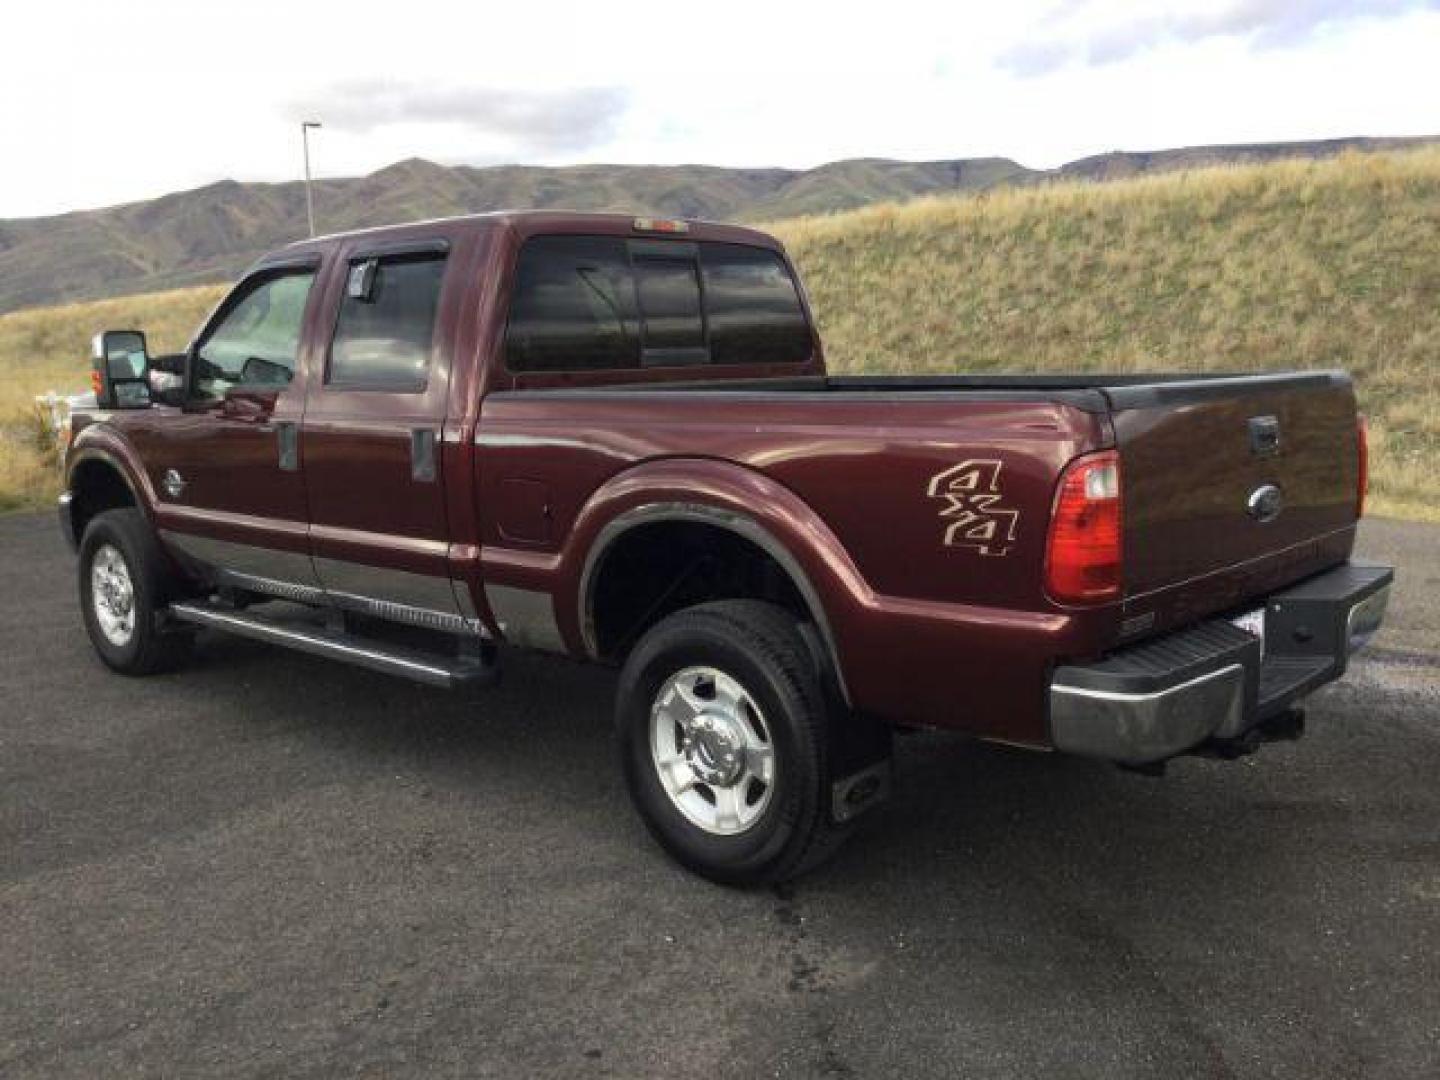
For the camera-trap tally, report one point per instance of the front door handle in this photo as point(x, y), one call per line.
point(1264, 435)
point(422, 455)
point(287, 440)
point(173, 483)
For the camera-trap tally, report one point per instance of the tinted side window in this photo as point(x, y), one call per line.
point(258, 339)
point(752, 307)
point(382, 341)
point(574, 306)
point(670, 303)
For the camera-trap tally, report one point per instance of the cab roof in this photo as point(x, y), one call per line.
point(525, 223)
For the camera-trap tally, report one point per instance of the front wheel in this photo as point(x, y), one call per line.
point(724, 728)
point(124, 587)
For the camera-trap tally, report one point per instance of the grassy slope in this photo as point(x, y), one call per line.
point(1292, 264)
point(48, 349)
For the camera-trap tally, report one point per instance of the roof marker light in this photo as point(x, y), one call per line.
point(661, 225)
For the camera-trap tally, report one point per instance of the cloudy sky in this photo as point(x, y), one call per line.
point(126, 99)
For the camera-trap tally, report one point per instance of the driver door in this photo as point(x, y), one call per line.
point(227, 471)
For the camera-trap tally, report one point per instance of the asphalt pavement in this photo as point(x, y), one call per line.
point(270, 865)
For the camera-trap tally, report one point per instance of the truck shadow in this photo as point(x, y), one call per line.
point(995, 876)
point(965, 815)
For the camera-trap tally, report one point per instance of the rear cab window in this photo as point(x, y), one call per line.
point(573, 307)
point(608, 303)
point(753, 307)
point(667, 286)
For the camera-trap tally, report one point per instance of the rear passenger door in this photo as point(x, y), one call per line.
point(373, 422)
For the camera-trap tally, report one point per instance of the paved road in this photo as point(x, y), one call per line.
point(269, 865)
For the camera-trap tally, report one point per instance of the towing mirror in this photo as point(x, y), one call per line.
point(120, 369)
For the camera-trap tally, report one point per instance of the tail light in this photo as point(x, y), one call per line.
point(1082, 555)
point(1362, 448)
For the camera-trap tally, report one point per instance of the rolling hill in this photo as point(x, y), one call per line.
point(209, 234)
point(1311, 264)
point(212, 233)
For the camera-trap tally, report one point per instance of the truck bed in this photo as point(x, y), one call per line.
point(1097, 392)
point(1190, 466)
point(1045, 381)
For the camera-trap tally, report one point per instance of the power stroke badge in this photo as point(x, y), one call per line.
point(972, 514)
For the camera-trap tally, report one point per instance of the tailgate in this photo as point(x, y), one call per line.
point(1232, 487)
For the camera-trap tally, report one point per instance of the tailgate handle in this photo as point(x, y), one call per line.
point(1264, 435)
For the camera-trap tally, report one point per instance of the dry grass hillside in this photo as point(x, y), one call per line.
point(48, 349)
point(1291, 264)
point(211, 233)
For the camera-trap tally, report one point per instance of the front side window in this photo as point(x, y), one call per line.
point(384, 335)
point(257, 341)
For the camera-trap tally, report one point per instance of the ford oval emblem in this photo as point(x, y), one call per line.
point(1265, 503)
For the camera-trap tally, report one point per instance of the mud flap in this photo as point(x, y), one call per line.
point(860, 791)
point(860, 747)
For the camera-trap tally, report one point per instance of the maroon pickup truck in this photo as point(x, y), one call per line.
point(614, 438)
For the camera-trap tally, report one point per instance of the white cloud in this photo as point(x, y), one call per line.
point(533, 122)
point(1096, 33)
point(103, 102)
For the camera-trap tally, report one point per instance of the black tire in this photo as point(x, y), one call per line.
point(761, 647)
point(150, 647)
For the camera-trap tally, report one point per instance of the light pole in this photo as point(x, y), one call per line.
point(305, 126)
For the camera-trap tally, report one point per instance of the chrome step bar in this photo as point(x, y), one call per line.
point(419, 665)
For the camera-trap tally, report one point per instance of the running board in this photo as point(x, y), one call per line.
point(419, 665)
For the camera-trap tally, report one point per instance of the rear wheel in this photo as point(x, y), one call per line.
point(124, 587)
point(724, 742)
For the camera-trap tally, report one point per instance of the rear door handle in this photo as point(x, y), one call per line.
point(287, 440)
point(422, 455)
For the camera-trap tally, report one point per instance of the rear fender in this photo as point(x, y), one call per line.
point(727, 496)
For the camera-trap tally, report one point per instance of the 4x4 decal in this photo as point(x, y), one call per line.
point(972, 514)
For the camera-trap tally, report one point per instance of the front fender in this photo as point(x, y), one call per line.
point(102, 443)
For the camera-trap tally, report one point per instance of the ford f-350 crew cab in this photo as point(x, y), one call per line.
point(614, 439)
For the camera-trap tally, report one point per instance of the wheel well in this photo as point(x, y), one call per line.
point(655, 569)
point(96, 486)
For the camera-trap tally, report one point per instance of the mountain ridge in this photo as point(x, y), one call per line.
point(210, 233)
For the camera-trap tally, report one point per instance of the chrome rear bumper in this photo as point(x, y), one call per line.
point(1210, 683)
